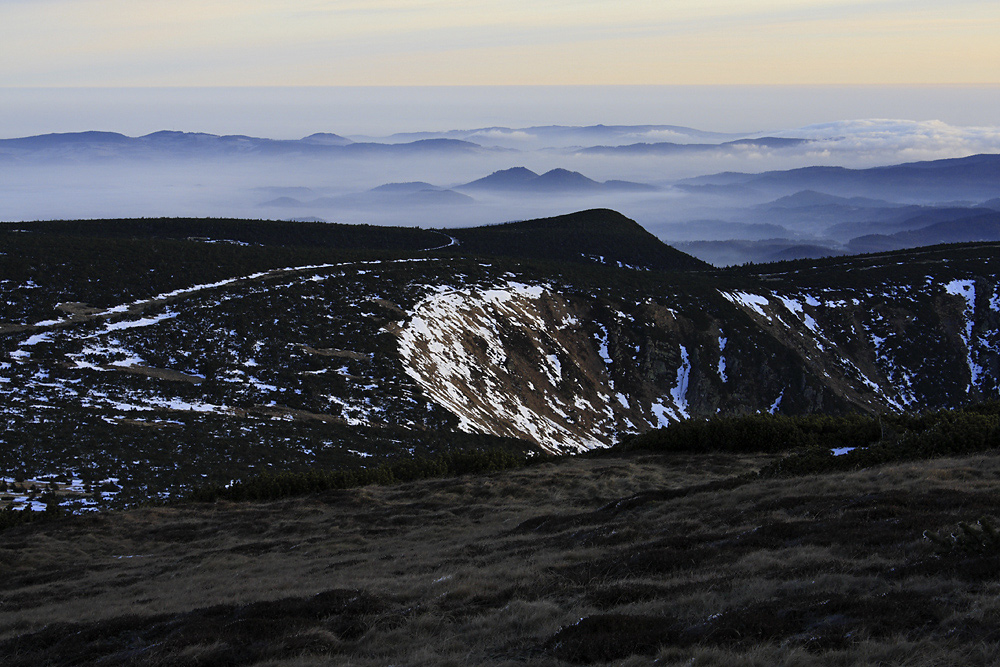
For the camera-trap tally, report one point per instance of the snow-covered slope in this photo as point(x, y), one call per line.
point(512, 360)
point(570, 371)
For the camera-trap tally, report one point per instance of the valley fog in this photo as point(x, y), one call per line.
point(673, 180)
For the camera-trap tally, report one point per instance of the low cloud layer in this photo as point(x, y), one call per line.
point(882, 139)
point(333, 184)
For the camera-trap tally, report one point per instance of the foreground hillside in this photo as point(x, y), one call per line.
point(589, 560)
point(318, 396)
point(140, 359)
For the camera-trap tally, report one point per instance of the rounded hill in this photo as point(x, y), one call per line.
point(597, 235)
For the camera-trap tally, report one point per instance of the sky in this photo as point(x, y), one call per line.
point(295, 112)
point(141, 43)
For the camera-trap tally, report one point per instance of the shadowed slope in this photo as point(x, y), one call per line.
point(600, 235)
point(588, 561)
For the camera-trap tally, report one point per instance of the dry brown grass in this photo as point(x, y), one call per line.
point(585, 561)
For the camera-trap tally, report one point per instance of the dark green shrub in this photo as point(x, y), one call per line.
point(273, 486)
point(10, 517)
point(758, 433)
point(981, 539)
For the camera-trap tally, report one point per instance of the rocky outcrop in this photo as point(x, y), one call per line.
point(571, 371)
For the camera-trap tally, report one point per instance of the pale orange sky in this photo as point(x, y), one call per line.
point(493, 42)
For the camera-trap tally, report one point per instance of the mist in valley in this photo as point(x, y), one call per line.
point(697, 188)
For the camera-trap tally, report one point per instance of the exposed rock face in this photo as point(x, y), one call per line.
point(570, 372)
point(516, 360)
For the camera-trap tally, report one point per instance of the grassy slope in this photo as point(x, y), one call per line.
point(590, 560)
point(149, 255)
point(265, 232)
point(106, 262)
point(497, 569)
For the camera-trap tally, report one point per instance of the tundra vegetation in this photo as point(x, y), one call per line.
point(293, 529)
point(714, 557)
point(129, 379)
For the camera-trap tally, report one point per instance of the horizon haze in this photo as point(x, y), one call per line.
point(290, 112)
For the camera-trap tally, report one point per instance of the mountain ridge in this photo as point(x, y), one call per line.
point(668, 148)
point(975, 177)
point(521, 179)
point(253, 344)
point(187, 144)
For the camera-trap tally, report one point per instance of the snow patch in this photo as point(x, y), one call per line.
point(679, 392)
point(796, 309)
point(722, 359)
point(967, 290)
point(556, 368)
point(602, 339)
point(749, 301)
point(132, 324)
point(664, 415)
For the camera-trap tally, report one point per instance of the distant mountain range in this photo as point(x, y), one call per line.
point(669, 148)
point(565, 136)
point(436, 178)
point(516, 180)
point(807, 198)
point(520, 179)
point(975, 177)
point(983, 226)
point(392, 194)
point(597, 139)
point(804, 231)
point(106, 145)
point(820, 211)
